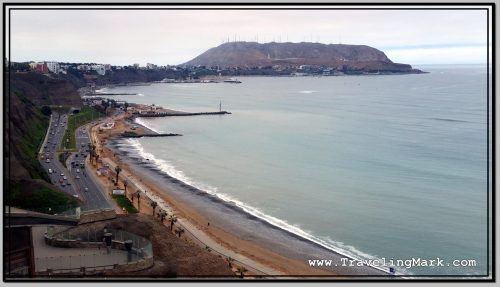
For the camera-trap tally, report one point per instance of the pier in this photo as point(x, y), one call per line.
point(130, 135)
point(178, 114)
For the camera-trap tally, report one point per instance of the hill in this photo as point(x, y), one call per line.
point(337, 56)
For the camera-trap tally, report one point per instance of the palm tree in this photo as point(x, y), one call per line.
point(138, 195)
point(172, 219)
point(229, 261)
point(117, 170)
point(163, 214)
point(241, 270)
point(125, 183)
point(179, 230)
point(154, 205)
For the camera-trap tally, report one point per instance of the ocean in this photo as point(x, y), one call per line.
point(385, 166)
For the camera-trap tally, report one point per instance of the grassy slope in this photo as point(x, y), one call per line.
point(74, 121)
point(29, 142)
point(39, 198)
point(124, 202)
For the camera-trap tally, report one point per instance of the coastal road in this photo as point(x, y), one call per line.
point(49, 159)
point(92, 192)
point(73, 181)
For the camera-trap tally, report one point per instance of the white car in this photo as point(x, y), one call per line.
point(77, 177)
point(62, 174)
point(86, 189)
point(47, 160)
point(77, 170)
point(65, 178)
point(50, 170)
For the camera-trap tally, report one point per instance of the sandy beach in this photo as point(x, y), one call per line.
point(283, 252)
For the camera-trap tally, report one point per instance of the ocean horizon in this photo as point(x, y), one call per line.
point(391, 166)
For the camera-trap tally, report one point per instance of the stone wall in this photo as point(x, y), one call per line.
point(97, 216)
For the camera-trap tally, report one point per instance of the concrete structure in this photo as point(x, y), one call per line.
point(41, 67)
point(100, 69)
point(83, 67)
point(53, 67)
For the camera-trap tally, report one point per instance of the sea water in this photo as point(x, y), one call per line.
point(391, 166)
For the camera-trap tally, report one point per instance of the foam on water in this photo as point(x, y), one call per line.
point(168, 168)
point(307, 92)
point(142, 123)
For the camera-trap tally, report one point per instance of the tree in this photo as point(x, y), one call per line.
point(229, 261)
point(138, 195)
point(117, 170)
point(46, 110)
point(125, 183)
point(163, 214)
point(241, 270)
point(172, 219)
point(154, 205)
point(179, 230)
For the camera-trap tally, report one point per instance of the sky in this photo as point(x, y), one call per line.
point(121, 37)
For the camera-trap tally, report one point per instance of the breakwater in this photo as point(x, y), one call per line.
point(128, 135)
point(178, 114)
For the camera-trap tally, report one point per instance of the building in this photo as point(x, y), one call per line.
point(136, 66)
point(83, 68)
point(42, 68)
point(53, 67)
point(151, 66)
point(107, 67)
point(100, 69)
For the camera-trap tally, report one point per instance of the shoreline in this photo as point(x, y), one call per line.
point(183, 197)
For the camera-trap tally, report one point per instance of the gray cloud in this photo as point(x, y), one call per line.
point(173, 37)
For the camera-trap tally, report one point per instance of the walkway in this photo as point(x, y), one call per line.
point(49, 257)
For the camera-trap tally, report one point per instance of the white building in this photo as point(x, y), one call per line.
point(53, 67)
point(151, 66)
point(100, 69)
point(83, 67)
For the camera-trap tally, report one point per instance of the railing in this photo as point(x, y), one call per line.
point(98, 260)
point(92, 254)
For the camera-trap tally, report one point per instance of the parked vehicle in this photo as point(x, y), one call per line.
point(50, 170)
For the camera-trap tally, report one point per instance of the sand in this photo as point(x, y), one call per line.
point(232, 229)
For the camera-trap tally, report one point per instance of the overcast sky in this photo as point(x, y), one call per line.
point(163, 37)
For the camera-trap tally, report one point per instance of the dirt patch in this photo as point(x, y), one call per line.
point(173, 256)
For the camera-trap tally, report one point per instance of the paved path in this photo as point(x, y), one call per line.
point(208, 241)
point(198, 236)
point(47, 256)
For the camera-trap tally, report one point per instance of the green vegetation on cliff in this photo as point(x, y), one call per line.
point(38, 198)
point(86, 115)
point(30, 138)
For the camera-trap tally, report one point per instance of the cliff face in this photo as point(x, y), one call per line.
point(251, 54)
point(46, 89)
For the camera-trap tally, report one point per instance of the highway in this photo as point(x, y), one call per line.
point(93, 193)
point(73, 181)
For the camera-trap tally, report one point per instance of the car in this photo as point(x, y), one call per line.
point(76, 155)
point(60, 181)
point(47, 160)
point(50, 170)
point(65, 178)
point(77, 170)
point(68, 183)
point(77, 176)
point(62, 184)
point(86, 189)
point(62, 174)
point(75, 195)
